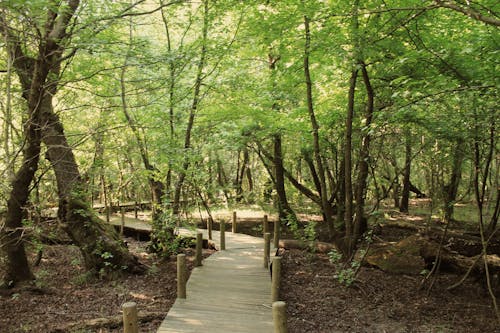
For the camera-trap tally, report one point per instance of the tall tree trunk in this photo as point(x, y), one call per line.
point(348, 216)
point(7, 118)
point(325, 204)
point(360, 223)
point(99, 244)
point(192, 111)
point(451, 189)
point(11, 236)
point(157, 187)
point(221, 177)
point(405, 196)
point(341, 195)
point(171, 99)
point(241, 172)
point(480, 191)
point(284, 209)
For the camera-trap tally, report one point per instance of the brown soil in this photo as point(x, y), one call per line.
point(63, 295)
point(377, 301)
point(317, 302)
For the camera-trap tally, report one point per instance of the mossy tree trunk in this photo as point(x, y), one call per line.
point(39, 76)
point(99, 244)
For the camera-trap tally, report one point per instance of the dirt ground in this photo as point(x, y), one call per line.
point(64, 299)
point(378, 302)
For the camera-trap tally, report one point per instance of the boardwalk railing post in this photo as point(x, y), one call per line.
point(279, 317)
point(222, 235)
point(210, 223)
point(265, 225)
point(267, 249)
point(122, 225)
point(276, 277)
point(277, 233)
point(199, 245)
point(234, 222)
point(136, 209)
point(181, 276)
point(130, 318)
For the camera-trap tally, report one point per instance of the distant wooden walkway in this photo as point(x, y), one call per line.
point(230, 293)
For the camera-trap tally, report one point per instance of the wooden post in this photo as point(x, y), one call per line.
point(277, 233)
point(279, 317)
point(222, 235)
point(267, 249)
point(136, 208)
point(210, 223)
point(130, 318)
point(122, 225)
point(234, 222)
point(276, 277)
point(199, 245)
point(265, 225)
point(181, 276)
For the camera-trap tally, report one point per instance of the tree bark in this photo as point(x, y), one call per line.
point(284, 209)
point(451, 189)
point(323, 192)
point(99, 244)
point(405, 196)
point(360, 222)
point(192, 112)
point(157, 187)
point(348, 216)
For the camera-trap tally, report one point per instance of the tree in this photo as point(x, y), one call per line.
point(39, 75)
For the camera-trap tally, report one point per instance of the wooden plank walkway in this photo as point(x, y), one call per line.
point(230, 293)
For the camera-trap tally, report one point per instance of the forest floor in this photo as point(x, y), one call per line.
point(65, 299)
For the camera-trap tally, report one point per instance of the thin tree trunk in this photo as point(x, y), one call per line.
point(451, 189)
point(348, 216)
point(479, 191)
point(157, 187)
point(7, 121)
point(325, 204)
point(171, 100)
point(360, 223)
point(284, 209)
point(405, 196)
point(192, 112)
point(17, 267)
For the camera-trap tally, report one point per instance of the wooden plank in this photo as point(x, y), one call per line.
point(231, 292)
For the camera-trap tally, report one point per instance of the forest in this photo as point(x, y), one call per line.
point(367, 130)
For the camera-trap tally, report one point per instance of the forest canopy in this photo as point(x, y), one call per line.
point(338, 106)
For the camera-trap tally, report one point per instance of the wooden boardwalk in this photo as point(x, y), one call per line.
point(230, 293)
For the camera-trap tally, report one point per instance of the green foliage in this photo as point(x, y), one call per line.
point(306, 234)
point(345, 273)
point(83, 278)
point(433, 71)
point(163, 242)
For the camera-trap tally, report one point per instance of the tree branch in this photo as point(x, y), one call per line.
point(468, 11)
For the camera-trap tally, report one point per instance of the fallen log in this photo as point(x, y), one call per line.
point(319, 247)
point(416, 253)
point(465, 243)
point(107, 322)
